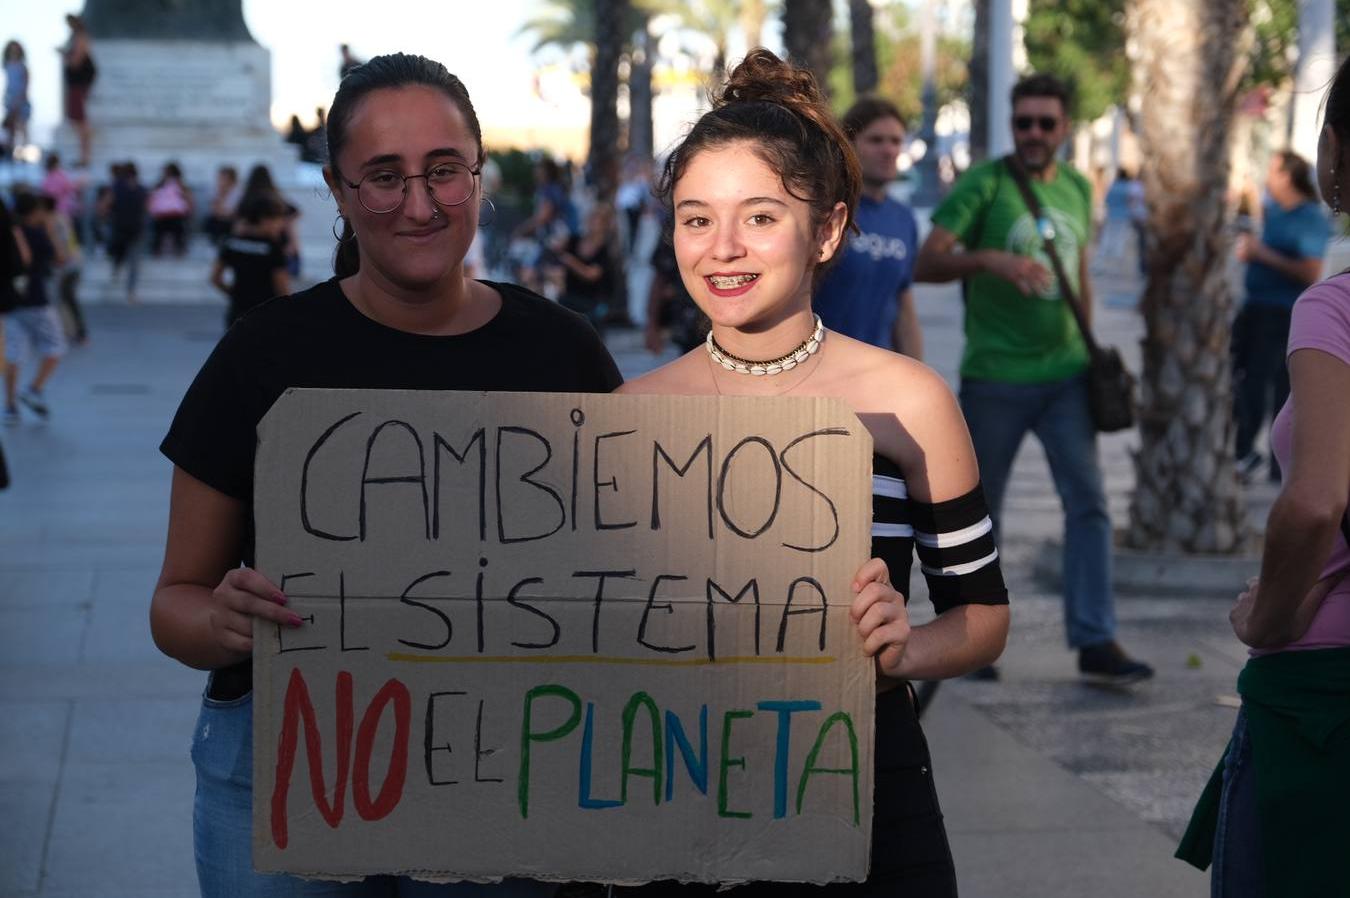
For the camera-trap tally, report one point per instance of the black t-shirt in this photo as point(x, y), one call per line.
point(43, 255)
point(252, 261)
point(128, 208)
point(588, 294)
point(82, 74)
point(317, 338)
point(11, 264)
point(687, 325)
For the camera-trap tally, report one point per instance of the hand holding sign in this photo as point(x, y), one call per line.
point(879, 611)
point(242, 595)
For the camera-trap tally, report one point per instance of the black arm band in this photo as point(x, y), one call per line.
point(955, 543)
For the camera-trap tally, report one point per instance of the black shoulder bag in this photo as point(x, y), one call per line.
point(1110, 383)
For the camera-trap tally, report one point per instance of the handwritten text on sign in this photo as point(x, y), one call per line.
point(562, 636)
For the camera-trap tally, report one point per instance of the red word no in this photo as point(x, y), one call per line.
point(299, 709)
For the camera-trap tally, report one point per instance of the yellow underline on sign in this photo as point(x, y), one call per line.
point(409, 658)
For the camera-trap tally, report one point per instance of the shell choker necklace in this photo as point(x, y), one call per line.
point(808, 347)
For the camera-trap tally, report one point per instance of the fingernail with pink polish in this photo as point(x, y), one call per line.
point(294, 620)
point(278, 598)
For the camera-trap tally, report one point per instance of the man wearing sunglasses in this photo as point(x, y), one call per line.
point(1025, 361)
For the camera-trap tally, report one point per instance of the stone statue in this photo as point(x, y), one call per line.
point(166, 20)
point(179, 81)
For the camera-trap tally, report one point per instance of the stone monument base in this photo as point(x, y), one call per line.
point(201, 104)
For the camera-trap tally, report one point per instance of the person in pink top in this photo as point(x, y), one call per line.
point(1319, 341)
point(60, 186)
point(1275, 817)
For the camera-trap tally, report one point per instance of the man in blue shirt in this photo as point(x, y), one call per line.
point(866, 294)
point(1281, 265)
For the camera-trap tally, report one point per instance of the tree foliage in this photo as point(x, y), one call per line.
point(566, 25)
point(1083, 42)
point(713, 21)
point(1274, 25)
point(899, 64)
point(562, 24)
point(1275, 29)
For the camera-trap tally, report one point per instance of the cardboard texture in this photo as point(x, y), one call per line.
point(563, 636)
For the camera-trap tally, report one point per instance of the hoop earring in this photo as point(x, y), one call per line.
point(492, 209)
point(341, 218)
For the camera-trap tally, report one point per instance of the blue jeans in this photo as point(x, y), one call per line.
point(222, 824)
point(999, 416)
point(1260, 374)
point(1239, 870)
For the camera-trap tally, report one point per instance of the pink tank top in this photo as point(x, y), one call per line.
point(1321, 321)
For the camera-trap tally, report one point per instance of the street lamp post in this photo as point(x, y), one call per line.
point(1006, 56)
point(1316, 68)
point(928, 192)
point(1000, 76)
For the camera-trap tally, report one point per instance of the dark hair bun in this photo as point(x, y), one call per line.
point(763, 77)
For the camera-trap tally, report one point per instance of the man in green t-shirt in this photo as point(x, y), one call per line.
point(1025, 361)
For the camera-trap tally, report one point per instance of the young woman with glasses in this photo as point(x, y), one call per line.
point(405, 152)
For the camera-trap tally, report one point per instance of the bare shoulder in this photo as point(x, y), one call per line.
point(685, 375)
point(880, 380)
point(913, 417)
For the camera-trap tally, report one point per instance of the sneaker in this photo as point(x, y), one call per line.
point(33, 399)
point(1108, 664)
point(11, 415)
point(1247, 466)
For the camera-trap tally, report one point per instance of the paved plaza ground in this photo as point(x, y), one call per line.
point(1050, 788)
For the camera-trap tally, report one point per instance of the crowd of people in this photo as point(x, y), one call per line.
point(788, 269)
point(251, 227)
point(309, 142)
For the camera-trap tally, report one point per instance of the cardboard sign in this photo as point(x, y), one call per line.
point(562, 636)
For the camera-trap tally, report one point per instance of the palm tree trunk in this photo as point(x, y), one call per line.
point(640, 127)
point(604, 151)
point(864, 46)
point(807, 33)
point(977, 88)
point(610, 28)
point(1188, 58)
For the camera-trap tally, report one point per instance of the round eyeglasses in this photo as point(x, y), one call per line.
point(382, 191)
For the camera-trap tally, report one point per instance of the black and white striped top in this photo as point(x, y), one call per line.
point(955, 541)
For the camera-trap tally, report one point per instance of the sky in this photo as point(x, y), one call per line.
point(477, 41)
